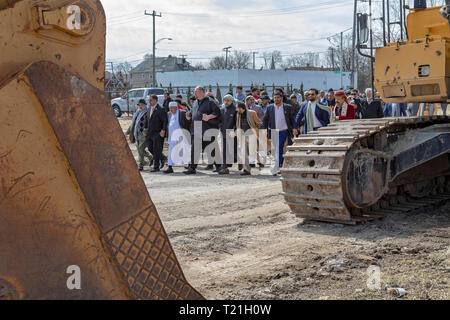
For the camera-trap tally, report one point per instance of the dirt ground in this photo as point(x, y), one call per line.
point(236, 239)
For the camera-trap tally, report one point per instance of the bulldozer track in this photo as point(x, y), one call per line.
point(314, 176)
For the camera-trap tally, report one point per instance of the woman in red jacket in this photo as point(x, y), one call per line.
point(343, 110)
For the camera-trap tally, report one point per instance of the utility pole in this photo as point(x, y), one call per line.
point(332, 58)
point(355, 9)
point(342, 58)
point(227, 49)
point(154, 15)
point(254, 65)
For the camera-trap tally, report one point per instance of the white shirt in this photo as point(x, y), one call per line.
point(280, 119)
point(317, 123)
point(174, 124)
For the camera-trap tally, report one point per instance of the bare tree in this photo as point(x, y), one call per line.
point(240, 60)
point(277, 57)
point(217, 63)
point(308, 59)
point(199, 66)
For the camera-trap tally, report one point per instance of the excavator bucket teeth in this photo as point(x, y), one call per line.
point(71, 195)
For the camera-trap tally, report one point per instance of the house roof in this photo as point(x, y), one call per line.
point(163, 64)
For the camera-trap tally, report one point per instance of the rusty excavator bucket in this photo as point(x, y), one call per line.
point(70, 192)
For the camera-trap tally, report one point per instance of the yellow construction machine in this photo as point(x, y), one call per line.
point(360, 170)
point(76, 220)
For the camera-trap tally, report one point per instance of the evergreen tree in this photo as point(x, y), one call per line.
point(301, 91)
point(188, 94)
point(170, 88)
point(231, 89)
point(219, 94)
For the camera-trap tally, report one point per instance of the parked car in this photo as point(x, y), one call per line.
point(132, 97)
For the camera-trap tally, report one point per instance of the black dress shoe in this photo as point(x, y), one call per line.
point(169, 170)
point(155, 170)
point(240, 167)
point(209, 167)
point(190, 171)
point(217, 169)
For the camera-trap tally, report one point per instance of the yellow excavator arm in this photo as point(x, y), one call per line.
point(71, 198)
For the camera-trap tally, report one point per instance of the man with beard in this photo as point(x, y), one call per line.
point(177, 140)
point(279, 117)
point(313, 114)
point(137, 134)
point(343, 110)
point(368, 108)
point(156, 131)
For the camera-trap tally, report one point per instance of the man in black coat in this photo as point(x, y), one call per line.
point(368, 108)
point(229, 150)
point(279, 116)
point(156, 131)
point(207, 112)
point(167, 100)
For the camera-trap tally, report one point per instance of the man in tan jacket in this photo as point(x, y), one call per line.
point(247, 125)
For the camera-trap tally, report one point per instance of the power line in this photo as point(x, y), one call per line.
point(276, 12)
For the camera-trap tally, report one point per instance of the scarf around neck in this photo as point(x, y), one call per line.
point(310, 116)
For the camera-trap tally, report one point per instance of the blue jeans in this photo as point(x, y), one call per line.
point(282, 137)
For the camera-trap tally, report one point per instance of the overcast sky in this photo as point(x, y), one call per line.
point(202, 28)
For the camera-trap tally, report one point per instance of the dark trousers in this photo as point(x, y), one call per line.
point(225, 150)
point(194, 156)
point(155, 146)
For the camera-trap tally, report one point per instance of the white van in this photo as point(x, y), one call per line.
point(132, 98)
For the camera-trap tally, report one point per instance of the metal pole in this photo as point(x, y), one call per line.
point(254, 64)
point(384, 23)
point(401, 19)
point(226, 56)
point(354, 43)
point(154, 15)
point(154, 49)
point(388, 21)
point(371, 48)
point(342, 58)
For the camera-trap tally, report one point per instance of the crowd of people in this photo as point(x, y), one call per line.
point(245, 125)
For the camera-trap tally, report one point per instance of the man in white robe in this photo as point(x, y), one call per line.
point(178, 138)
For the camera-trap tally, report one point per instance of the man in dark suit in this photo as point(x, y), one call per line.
point(312, 114)
point(368, 108)
point(206, 112)
point(279, 116)
point(167, 100)
point(156, 131)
